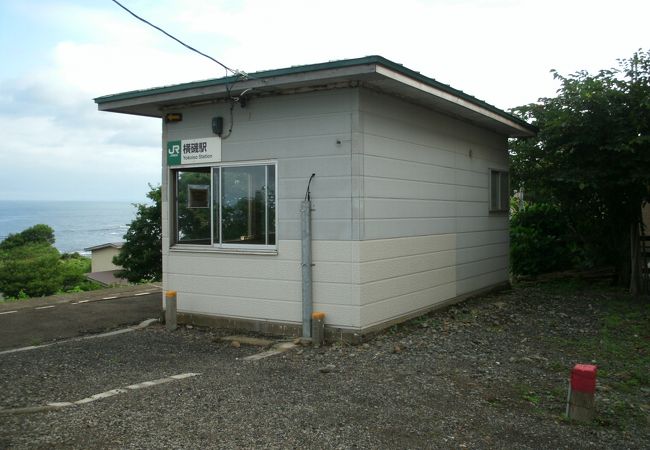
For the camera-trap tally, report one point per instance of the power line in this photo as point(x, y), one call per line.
point(238, 74)
point(235, 72)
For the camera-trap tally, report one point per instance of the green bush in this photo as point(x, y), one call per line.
point(37, 234)
point(73, 270)
point(33, 269)
point(30, 266)
point(141, 254)
point(538, 241)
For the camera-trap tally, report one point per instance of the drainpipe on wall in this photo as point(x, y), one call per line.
point(307, 306)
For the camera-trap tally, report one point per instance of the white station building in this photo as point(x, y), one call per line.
point(410, 194)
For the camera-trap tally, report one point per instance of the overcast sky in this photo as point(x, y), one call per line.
point(59, 55)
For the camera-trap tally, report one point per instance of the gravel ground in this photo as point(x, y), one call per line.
point(488, 373)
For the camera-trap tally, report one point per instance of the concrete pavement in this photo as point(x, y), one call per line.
point(38, 321)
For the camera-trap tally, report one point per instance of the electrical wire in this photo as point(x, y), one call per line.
point(232, 121)
point(228, 69)
point(308, 193)
point(238, 74)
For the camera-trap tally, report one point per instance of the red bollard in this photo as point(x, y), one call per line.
point(582, 390)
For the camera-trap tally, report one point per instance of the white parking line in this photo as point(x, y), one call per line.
point(8, 312)
point(44, 307)
point(141, 293)
point(109, 298)
point(102, 395)
point(276, 350)
point(141, 325)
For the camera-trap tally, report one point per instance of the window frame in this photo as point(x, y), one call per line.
point(220, 246)
point(503, 206)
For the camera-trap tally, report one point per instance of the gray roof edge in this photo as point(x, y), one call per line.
point(106, 245)
point(373, 59)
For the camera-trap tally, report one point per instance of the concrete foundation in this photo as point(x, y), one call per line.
point(332, 334)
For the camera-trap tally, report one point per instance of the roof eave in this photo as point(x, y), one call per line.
point(154, 102)
point(373, 70)
point(449, 101)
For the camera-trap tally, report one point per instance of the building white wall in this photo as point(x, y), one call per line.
point(265, 287)
point(401, 219)
point(427, 233)
point(102, 259)
point(306, 133)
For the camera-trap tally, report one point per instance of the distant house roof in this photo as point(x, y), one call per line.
point(374, 72)
point(107, 245)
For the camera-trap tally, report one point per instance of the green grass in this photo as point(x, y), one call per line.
point(563, 286)
point(623, 346)
point(539, 397)
point(575, 285)
point(620, 349)
point(532, 397)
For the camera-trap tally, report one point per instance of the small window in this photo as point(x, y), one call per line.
point(499, 191)
point(225, 205)
point(198, 196)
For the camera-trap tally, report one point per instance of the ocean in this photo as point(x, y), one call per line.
point(77, 225)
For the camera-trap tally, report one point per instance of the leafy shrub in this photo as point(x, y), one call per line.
point(36, 234)
point(538, 240)
point(141, 255)
point(30, 266)
point(73, 270)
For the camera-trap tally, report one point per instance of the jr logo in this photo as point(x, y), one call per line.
point(173, 153)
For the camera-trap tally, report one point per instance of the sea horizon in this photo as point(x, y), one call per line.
point(77, 224)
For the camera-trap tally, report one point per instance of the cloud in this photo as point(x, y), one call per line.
point(498, 50)
point(43, 159)
point(61, 146)
point(58, 146)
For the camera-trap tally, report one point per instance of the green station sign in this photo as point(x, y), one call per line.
point(193, 151)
